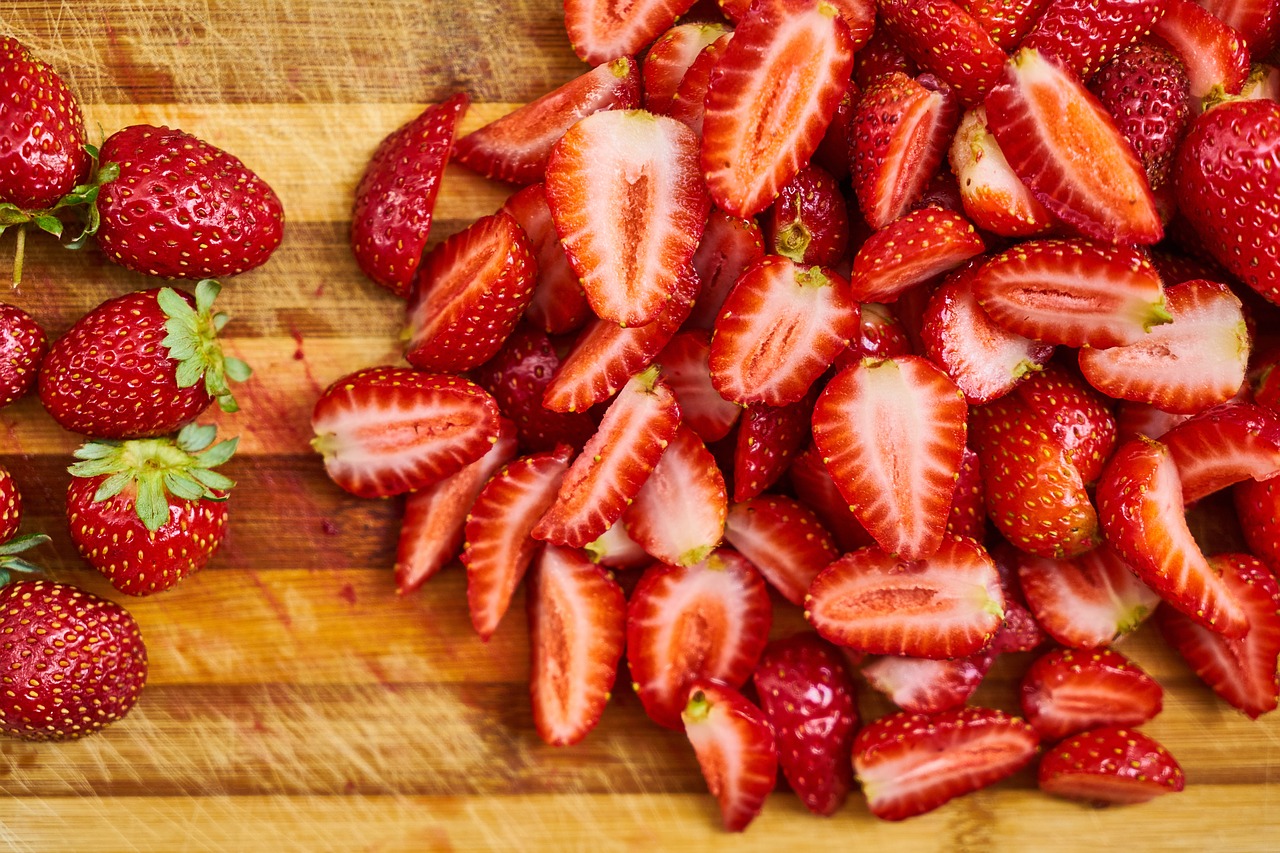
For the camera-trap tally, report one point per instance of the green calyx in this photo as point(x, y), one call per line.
point(11, 563)
point(193, 343)
point(154, 468)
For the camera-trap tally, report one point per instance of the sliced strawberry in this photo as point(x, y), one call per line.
point(784, 540)
point(813, 485)
point(1082, 170)
point(469, 294)
point(924, 686)
point(945, 39)
point(629, 205)
point(499, 547)
point(729, 246)
point(1068, 691)
point(670, 57)
point(1135, 419)
point(920, 245)
point(686, 623)
point(762, 124)
point(809, 699)
point(992, 194)
point(1257, 21)
point(882, 336)
point(1085, 35)
point(689, 104)
point(858, 14)
point(1196, 361)
point(1263, 82)
point(1078, 417)
point(892, 434)
point(968, 515)
point(768, 438)
point(1258, 506)
point(1224, 445)
point(678, 516)
point(1110, 765)
point(577, 618)
point(558, 304)
point(601, 30)
point(685, 363)
point(389, 430)
point(1216, 57)
point(881, 55)
point(808, 221)
point(947, 605)
point(614, 464)
point(1087, 602)
point(515, 147)
point(1006, 21)
point(735, 747)
point(833, 152)
point(910, 764)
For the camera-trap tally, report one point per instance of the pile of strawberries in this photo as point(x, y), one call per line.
point(145, 506)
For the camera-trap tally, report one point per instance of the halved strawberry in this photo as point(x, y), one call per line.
point(684, 623)
point(892, 434)
point(945, 39)
point(1224, 445)
point(629, 204)
point(808, 222)
point(1110, 765)
point(910, 764)
point(924, 686)
point(685, 363)
point(833, 152)
point(558, 304)
point(577, 618)
point(943, 606)
point(389, 430)
point(968, 515)
point(992, 194)
point(1135, 419)
point(768, 438)
point(918, 246)
point(669, 58)
point(813, 485)
point(617, 550)
point(858, 14)
point(1258, 506)
point(882, 335)
point(614, 464)
point(689, 104)
point(729, 246)
point(1006, 21)
point(1081, 169)
point(499, 547)
point(770, 99)
point(1085, 35)
point(678, 516)
point(735, 747)
point(1257, 21)
point(1068, 691)
point(601, 30)
point(784, 540)
point(1216, 57)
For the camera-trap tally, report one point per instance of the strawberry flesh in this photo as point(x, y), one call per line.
point(1068, 691)
point(784, 540)
point(735, 747)
point(1110, 766)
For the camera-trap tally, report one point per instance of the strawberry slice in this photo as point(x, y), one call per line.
point(784, 540)
point(780, 328)
point(882, 336)
point(1140, 507)
point(944, 606)
point(678, 516)
point(1085, 35)
point(1216, 57)
point(1257, 21)
point(1135, 419)
point(1196, 361)
point(499, 547)
point(892, 434)
point(910, 764)
point(1072, 292)
point(1258, 507)
point(689, 104)
point(686, 623)
point(1068, 691)
point(629, 204)
point(768, 438)
point(812, 483)
point(469, 294)
point(770, 99)
point(617, 550)
point(809, 700)
point(858, 14)
point(729, 246)
point(968, 515)
point(601, 30)
point(1083, 170)
point(670, 57)
point(558, 304)
point(735, 747)
point(833, 151)
point(388, 430)
point(686, 365)
point(1242, 671)
point(1224, 445)
point(924, 686)
point(431, 532)
point(945, 39)
point(920, 245)
point(992, 195)
point(614, 464)
point(1110, 765)
point(577, 614)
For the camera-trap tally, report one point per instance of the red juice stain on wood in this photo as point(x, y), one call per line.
point(273, 601)
point(348, 594)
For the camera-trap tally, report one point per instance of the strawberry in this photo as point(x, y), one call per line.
point(813, 485)
point(678, 516)
point(881, 55)
point(1240, 670)
point(389, 430)
point(601, 30)
point(1224, 445)
point(468, 294)
point(783, 539)
point(1219, 178)
point(768, 438)
point(686, 365)
point(809, 700)
point(729, 246)
point(920, 245)
point(689, 104)
point(1084, 36)
point(735, 747)
point(881, 336)
point(858, 14)
point(79, 659)
point(924, 686)
point(1135, 419)
point(968, 507)
point(1263, 82)
point(616, 549)
point(1067, 691)
point(945, 39)
point(629, 205)
point(946, 605)
point(759, 131)
point(1110, 765)
point(10, 506)
point(515, 148)
point(558, 304)
point(992, 194)
point(833, 151)
point(1086, 602)
point(23, 346)
point(1257, 21)
point(1216, 57)
point(1140, 507)
point(669, 58)
point(910, 764)
point(1258, 506)
point(1006, 21)
point(148, 512)
point(1083, 171)
point(143, 364)
point(892, 434)
point(807, 221)
point(684, 623)
point(577, 618)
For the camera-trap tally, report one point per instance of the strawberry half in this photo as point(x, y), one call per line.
point(689, 105)
point(809, 222)
point(1110, 765)
point(678, 515)
point(1225, 445)
point(1216, 57)
point(1085, 35)
point(1255, 20)
point(920, 245)
point(784, 540)
point(882, 336)
point(1067, 691)
point(601, 30)
point(924, 686)
point(992, 194)
point(815, 488)
point(735, 747)
point(669, 58)
point(616, 549)
point(1258, 506)
point(686, 365)
point(968, 515)
point(768, 438)
point(729, 246)
point(558, 304)
point(945, 39)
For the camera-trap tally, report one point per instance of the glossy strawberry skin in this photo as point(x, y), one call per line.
point(1067, 691)
point(600, 31)
point(1087, 35)
point(1146, 91)
point(768, 438)
point(1006, 21)
point(807, 221)
point(729, 246)
point(945, 39)
point(1110, 765)
point(782, 538)
point(558, 304)
point(669, 57)
point(23, 345)
point(912, 249)
point(1258, 506)
point(10, 506)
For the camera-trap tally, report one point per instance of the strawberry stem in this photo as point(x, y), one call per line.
point(19, 255)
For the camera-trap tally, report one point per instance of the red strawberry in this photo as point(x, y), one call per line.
point(920, 245)
point(1084, 36)
point(1258, 506)
point(858, 14)
point(1110, 765)
point(1258, 21)
point(768, 438)
point(1083, 171)
point(670, 57)
point(729, 246)
point(689, 105)
point(23, 345)
point(947, 605)
point(992, 194)
point(809, 700)
point(1086, 602)
point(1006, 21)
point(558, 304)
point(630, 205)
point(1224, 445)
point(910, 764)
point(148, 512)
point(79, 659)
point(515, 147)
point(10, 506)
point(1216, 57)
point(1135, 419)
point(815, 488)
point(833, 152)
point(881, 55)
point(143, 364)
point(678, 515)
point(601, 30)
point(945, 39)
point(1067, 691)
point(1078, 417)
point(924, 686)
point(577, 618)
point(686, 623)
point(735, 747)
point(389, 430)
point(968, 508)
point(807, 221)
point(686, 366)
point(893, 434)
point(882, 336)
point(758, 132)
point(784, 540)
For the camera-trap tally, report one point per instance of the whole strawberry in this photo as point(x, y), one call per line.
point(1147, 92)
point(146, 513)
point(182, 208)
point(139, 365)
point(23, 345)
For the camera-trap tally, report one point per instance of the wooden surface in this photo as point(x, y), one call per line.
point(295, 701)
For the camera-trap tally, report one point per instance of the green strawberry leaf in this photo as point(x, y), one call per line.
point(48, 224)
point(18, 544)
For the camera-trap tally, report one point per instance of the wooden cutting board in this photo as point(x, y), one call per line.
point(295, 702)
